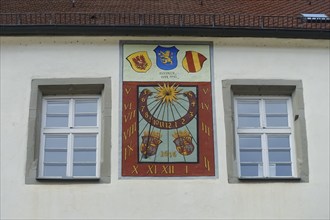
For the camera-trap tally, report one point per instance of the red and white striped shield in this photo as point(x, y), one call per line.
point(193, 61)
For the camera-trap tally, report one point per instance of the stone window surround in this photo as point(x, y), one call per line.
point(69, 86)
point(268, 87)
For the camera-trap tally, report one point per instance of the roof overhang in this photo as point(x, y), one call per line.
point(92, 30)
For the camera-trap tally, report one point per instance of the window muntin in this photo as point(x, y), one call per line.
point(57, 113)
point(264, 141)
point(248, 113)
point(85, 112)
point(276, 113)
point(70, 137)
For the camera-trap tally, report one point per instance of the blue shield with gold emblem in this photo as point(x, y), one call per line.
point(166, 57)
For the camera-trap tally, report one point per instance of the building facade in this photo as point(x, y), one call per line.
point(164, 121)
point(237, 61)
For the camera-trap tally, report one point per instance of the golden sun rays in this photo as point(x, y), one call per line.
point(167, 93)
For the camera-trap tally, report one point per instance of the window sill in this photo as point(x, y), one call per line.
point(269, 179)
point(67, 180)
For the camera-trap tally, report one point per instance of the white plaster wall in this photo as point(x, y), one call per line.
point(25, 58)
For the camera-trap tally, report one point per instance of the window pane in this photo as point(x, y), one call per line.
point(276, 106)
point(57, 121)
point(55, 156)
point(84, 156)
point(278, 141)
point(85, 120)
point(251, 170)
point(58, 107)
point(85, 141)
point(84, 170)
point(55, 170)
point(56, 141)
point(86, 106)
point(250, 142)
point(283, 170)
point(250, 156)
point(277, 121)
point(248, 107)
point(248, 121)
point(279, 156)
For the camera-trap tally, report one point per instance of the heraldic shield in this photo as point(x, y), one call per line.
point(140, 61)
point(193, 61)
point(166, 57)
point(150, 143)
point(183, 142)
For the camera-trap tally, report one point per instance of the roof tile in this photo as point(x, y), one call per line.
point(251, 7)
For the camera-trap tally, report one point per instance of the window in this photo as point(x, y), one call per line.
point(70, 134)
point(315, 17)
point(265, 130)
point(69, 131)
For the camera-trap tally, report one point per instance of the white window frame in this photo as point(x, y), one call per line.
point(70, 131)
point(263, 131)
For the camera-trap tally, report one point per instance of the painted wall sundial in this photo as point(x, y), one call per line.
point(167, 123)
point(167, 118)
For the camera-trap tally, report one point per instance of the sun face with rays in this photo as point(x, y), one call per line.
point(167, 93)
